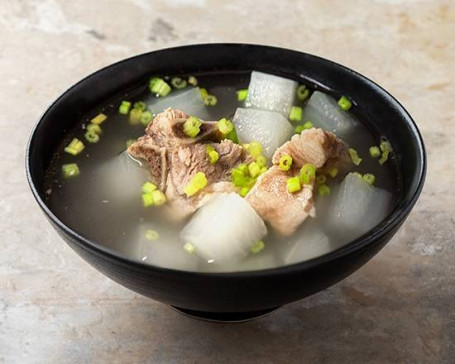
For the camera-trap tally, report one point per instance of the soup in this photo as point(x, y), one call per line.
point(235, 172)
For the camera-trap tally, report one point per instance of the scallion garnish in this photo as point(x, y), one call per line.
point(70, 170)
point(333, 171)
point(189, 248)
point(257, 247)
point(295, 114)
point(148, 187)
point(124, 107)
point(299, 128)
point(135, 116)
point(344, 103)
point(192, 81)
point(98, 119)
point(293, 184)
point(204, 93)
point(307, 173)
point(91, 137)
point(225, 126)
point(386, 148)
point(285, 162)
point(197, 183)
point(192, 126)
point(354, 156)
point(321, 179)
point(324, 190)
point(210, 100)
point(254, 169)
point(244, 191)
point(369, 178)
point(74, 147)
point(375, 152)
point(159, 87)
point(261, 161)
point(94, 128)
point(146, 118)
point(242, 94)
point(302, 93)
point(178, 82)
point(140, 105)
point(212, 154)
point(151, 235)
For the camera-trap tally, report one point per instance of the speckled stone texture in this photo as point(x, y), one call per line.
point(400, 307)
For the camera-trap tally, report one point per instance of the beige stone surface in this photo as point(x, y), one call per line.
point(400, 307)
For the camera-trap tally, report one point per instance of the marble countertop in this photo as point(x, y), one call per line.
point(55, 308)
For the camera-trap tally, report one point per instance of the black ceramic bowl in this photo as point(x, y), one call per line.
point(232, 296)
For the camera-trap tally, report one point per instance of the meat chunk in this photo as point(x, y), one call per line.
point(174, 158)
point(315, 146)
point(270, 198)
point(285, 211)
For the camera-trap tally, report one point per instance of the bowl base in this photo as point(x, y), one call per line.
point(225, 317)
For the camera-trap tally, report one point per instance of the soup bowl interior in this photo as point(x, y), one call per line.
point(239, 294)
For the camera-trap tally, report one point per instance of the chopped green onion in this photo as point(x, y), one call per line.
point(263, 170)
point(140, 105)
point(344, 103)
point(98, 119)
point(210, 100)
point(70, 170)
point(254, 148)
point(178, 82)
point(254, 169)
point(148, 187)
point(204, 93)
point(135, 116)
point(94, 128)
point(159, 87)
point(257, 247)
point(192, 81)
point(232, 135)
point(225, 126)
point(375, 152)
point(295, 114)
point(238, 177)
point(124, 107)
point(369, 178)
point(261, 161)
point(197, 183)
point(386, 148)
point(324, 190)
point(146, 118)
point(299, 128)
point(91, 137)
point(333, 171)
point(151, 235)
point(189, 248)
point(75, 147)
point(192, 126)
point(293, 184)
point(212, 154)
point(244, 191)
point(354, 156)
point(129, 143)
point(307, 173)
point(321, 179)
point(147, 200)
point(242, 167)
point(158, 198)
point(242, 94)
point(285, 162)
point(302, 93)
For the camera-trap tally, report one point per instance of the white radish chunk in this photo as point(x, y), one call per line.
point(355, 208)
point(269, 128)
point(269, 92)
point(307, 243)
point(189, 101)
point(323, 111)
point(224, 228)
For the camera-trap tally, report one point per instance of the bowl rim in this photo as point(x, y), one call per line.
point(395, 218)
